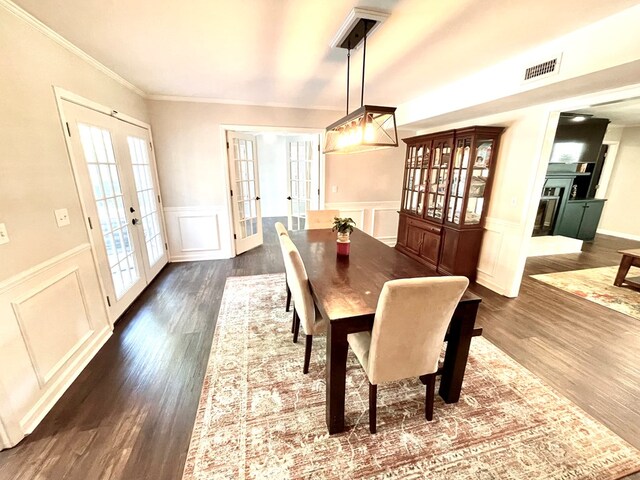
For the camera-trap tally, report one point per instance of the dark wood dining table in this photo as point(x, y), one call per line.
point(346, 290)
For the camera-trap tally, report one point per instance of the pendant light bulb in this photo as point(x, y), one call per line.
point(369, 131)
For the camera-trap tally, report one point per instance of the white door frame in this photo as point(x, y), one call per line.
point(607, 171)
point(256, 129)
point(61, 95)
point(554, 109)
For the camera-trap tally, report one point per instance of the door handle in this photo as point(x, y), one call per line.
point(257, 198)
point(288, 198)
point(135, 221)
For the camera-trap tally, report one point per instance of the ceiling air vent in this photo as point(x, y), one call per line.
point(542, 70)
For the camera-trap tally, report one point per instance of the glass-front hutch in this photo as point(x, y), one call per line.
point(447, 183)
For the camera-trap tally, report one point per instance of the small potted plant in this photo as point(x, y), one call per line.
point(344, 227)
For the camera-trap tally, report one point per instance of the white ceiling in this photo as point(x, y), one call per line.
point(276, 52)
point(625, 113)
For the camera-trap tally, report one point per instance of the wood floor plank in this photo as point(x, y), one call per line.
point(130, 413)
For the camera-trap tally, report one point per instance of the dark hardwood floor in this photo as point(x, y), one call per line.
point(589, 353)
point(130, 413)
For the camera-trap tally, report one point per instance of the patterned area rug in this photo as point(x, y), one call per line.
point(260, 417)
point(596, 285)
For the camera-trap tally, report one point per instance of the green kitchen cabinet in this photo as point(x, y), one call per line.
point(580, 219)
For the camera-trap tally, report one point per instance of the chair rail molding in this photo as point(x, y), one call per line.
point(378, 219)
point(197, 233)
point(54, 322)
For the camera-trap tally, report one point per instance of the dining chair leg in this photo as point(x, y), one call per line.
point(373, 401)
point(296, 328)
point(307, 353)
point(293, 322)
point(428, 402)
point(288, 298)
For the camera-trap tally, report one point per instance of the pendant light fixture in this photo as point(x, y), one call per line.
point(369, 127)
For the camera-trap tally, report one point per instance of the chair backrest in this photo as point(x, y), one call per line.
point(320, 219)
point(281, 235)
point(299, 285)
point(281, 229)
point(410, 324)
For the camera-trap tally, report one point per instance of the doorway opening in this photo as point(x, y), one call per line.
point(274, 174)
point(587, 205)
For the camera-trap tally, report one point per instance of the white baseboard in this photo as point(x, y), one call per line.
point(487, 281)
point(613, 233)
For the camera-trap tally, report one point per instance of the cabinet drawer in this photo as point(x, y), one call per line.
point(414, 222)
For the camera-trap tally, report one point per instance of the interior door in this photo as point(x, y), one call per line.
point(245, 190)
point(303, 178)
point(147, 214)
point(115, 184)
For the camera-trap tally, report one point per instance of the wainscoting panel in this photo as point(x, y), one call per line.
point(51, 344)
point(500, 256)
point(197, 233)
point(378, 219)
point(53, 322)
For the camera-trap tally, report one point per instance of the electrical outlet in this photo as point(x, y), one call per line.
point(334, 189)
point(62, 217)
point(4, 236)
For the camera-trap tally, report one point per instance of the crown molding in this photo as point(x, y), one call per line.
point(222, 101)
point(63, 42)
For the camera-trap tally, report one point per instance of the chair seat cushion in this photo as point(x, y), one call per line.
point(360, 344)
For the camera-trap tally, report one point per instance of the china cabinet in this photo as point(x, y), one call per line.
point(446, 189)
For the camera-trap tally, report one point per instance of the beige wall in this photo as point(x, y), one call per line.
point(35, 174)
point(187, 136)
point(368, 176)
point(620, 214)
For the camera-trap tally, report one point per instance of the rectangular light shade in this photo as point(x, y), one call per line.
point(369, 127)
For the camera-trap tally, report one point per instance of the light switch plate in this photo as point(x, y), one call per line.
point(4, 236)
point(62, 217)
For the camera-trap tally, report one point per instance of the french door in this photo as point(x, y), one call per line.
point(116, 177)
point(303, 172)
point(245, 190)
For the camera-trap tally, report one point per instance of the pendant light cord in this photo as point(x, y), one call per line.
point(364, 57)
point(348, 62)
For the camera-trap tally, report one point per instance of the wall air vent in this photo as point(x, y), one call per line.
point(543, 69)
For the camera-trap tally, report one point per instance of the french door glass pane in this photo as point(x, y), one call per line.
point(246, 187)
point(97, 146)
point(300, 157)
point(147, 198)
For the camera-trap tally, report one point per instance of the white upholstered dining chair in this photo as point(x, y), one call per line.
point(282, 231)
point(320, 219)
point(304, 309)
point(411, 321)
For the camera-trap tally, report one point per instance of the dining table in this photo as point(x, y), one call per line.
point(346, 289)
